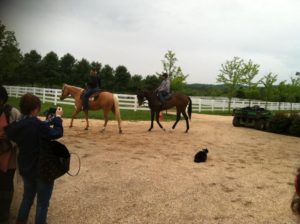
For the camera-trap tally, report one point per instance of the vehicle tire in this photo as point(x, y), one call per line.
point(236, 122)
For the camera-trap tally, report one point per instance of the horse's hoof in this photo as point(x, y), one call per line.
point(163, 129)
point(70, 126)
point(86, 129)
point(186, 131)
point(149, 129)
point(120, 132)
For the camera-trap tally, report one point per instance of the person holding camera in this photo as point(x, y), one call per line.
point(8, 161)
point(27, 133)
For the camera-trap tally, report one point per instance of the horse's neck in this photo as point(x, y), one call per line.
point(149, 96)
point(75, 91)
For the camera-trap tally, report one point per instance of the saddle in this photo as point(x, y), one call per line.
point(166, 97)
point(93, 97)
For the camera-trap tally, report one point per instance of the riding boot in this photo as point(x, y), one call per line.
point(5, 202)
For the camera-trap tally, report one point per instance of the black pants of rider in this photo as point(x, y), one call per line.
point(6, 193)
point(162, 95)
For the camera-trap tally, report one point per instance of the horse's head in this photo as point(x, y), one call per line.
point(64, 92)
point(141, 97)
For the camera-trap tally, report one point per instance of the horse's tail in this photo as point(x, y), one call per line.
point(117, 111)
point(190, 108)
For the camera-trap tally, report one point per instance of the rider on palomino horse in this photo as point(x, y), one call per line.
point(163, 90)
point(93, 86)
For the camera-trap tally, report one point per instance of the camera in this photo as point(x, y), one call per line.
point(50, 113)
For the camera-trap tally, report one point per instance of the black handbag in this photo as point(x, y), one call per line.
point(54, 160)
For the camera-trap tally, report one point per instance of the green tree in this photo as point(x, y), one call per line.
point(30, 68)
point(281, 93)
point(107, 78)
point(248, 73)
point(66, 67)
point(293, 90)
point(231, 75)
point(10, 56)
point(135, 83)
point(122, 78)
point(50, 69)
point(151, 82)
point(81, 71)
point(268, 83)
point(177, 77)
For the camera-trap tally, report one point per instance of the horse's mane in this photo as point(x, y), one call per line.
point(75, 87)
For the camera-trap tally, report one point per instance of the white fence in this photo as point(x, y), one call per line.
point(129, 102)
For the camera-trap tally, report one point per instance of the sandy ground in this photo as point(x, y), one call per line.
point(150, 177)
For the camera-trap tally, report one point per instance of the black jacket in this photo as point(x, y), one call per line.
point(94, 82)
point(27, 133)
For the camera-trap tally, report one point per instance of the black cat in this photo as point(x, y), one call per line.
point(201, 156)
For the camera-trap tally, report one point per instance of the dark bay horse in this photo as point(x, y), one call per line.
point(180, 101)
point(105, 101)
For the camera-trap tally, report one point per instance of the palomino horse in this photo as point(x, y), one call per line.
point(105, 101)
point(177, 100)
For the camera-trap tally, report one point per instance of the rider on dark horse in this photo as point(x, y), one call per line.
point(92, 86)
point(163, 90)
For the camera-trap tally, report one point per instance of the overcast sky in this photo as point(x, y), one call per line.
point(137, 33)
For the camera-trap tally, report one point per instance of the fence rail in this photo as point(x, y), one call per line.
point(129, 101)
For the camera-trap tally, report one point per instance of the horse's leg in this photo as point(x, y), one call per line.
point(105, 115)
point(186, 120)
point(152, 119)
point(73, 116)
point(86, 113)
point(177, 119)
point(117, 113)
point(157, 120)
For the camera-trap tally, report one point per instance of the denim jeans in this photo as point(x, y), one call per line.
point(43, 190)
point(162, 95)
point(86, 97)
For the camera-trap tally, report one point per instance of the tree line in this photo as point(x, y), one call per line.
point(33, 69)
point(236, 77)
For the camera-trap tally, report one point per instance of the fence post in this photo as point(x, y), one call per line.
point(55, 97)
point(44, 92)
point(212, 105)
point(199, 104)
point(135, 103)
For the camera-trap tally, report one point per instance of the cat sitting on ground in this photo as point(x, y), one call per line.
point(201, 156)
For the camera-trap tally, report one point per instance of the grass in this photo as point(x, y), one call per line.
point(128, 115)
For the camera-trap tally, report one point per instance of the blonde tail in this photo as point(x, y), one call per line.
point(117, 112)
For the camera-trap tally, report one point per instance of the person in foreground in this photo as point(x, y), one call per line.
point(8, 161)
point(295, 205)
point(27, 133)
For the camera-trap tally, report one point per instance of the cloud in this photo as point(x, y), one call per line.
point(137, 33)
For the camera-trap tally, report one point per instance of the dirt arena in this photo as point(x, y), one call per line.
point(150, 177)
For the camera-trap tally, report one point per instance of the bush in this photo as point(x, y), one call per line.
point(295, 126)
point(280, 123)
